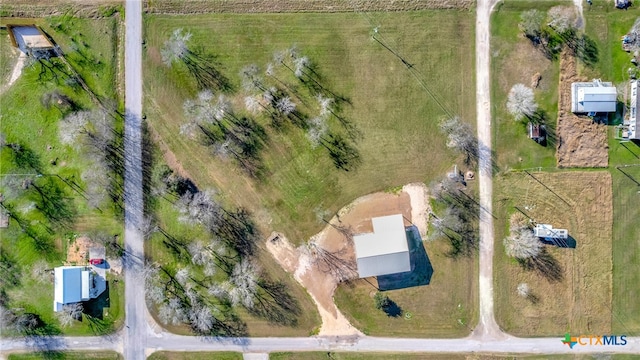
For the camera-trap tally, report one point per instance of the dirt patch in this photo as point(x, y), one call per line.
point(336, 239)
point(512, 71)
point(571, 287)
point(580, 141)
point(78, 251)
point(281, 6)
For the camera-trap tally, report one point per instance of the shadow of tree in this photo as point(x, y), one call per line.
point(545, 265)
point(204, 69)
point(345, 156)
point(275, 304)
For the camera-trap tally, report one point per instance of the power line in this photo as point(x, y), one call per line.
point(414, 72)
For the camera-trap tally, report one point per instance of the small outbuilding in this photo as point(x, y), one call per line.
point(31, 40)
point(593, 97)
point(536, 132)
point(386, 250)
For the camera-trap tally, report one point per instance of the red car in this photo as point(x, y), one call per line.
point(96, 261)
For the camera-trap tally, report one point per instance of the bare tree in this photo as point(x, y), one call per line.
point(562, 18)
point(244, 281)
point(201, 318)
point(300, 63)
point(155, 292)
point(172, 312)
point(199, 208)
point(182, 276)
point(523, 290)
point(217, 290)
point(175, 48)
point(27, 322)
point(96, 178)
point(317, 130)
point(148, 227)
point(252, 104)
point(335, 263)
point(531, 23)
point(460, 137)
point(442, 225)
point(71, 126)
point(251, 80)
point(523, 244)
point(7, 318)
point(39, 271)
point(69, 313)
point(521, 102)
point(325, 104)
point(285, 106)
point(199, 253)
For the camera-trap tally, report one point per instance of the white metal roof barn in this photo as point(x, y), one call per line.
point(385, 251)
point(593, 97)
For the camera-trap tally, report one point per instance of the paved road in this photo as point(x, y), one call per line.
point(487, 328)
point(171, 342)
point(135, 330)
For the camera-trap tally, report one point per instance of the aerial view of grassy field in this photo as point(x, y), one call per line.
point(393, 117)
point(515, 61)
point(604, 25)
point(386, 98)
point(564, 280)
point(48, 187)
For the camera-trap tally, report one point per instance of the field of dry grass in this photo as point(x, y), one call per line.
point(571, 288)
point(82, 8)
point(282, 6)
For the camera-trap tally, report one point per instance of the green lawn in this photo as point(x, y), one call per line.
point(396, 118)
point(606, 25)
point(434, 310)
point(68, 355)
point(515, 60)
point(54, 208)
point(220, 355)
point(626, 243)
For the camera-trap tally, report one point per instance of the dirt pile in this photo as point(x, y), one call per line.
point(581, 142)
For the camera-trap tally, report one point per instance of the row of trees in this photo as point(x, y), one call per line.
point(559, 26)
point(93, 133)
point(233, 133)
point(216, 271)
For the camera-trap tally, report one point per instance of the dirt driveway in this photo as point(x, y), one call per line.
point(335, 242)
